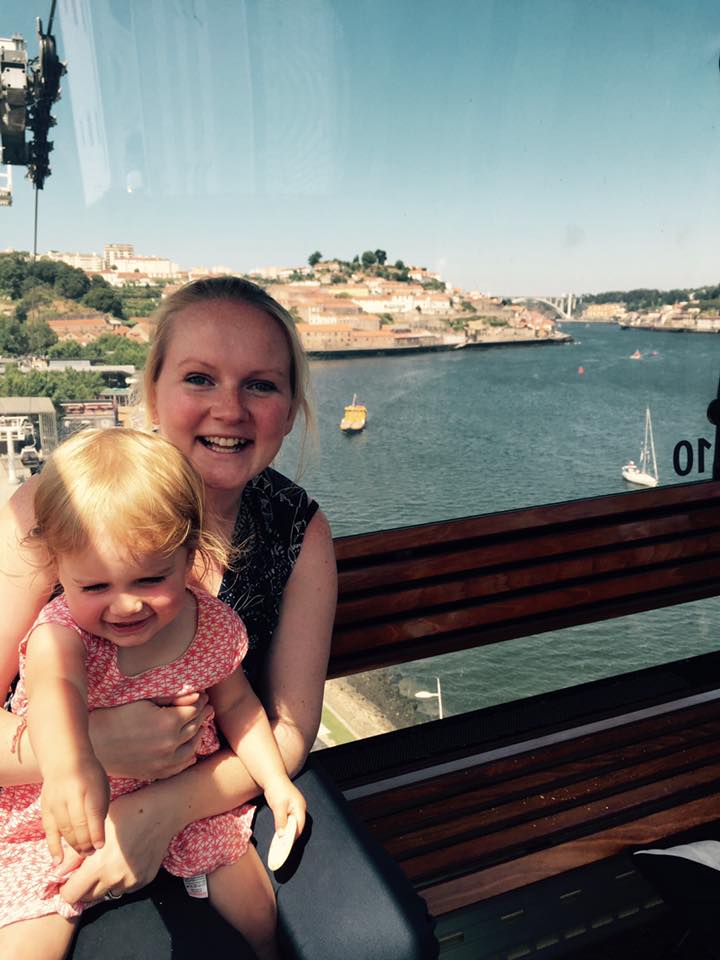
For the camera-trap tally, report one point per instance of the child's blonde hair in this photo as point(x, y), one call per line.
point(135, 488)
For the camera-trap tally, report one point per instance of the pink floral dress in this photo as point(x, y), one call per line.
point(28, 886)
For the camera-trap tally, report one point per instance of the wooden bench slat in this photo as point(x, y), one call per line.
point(475, 585)
point(394, 633)
point(523, 759)
point(581, 820)
point(645, 831)
point(654, 733)
point(357, 548)
point(485, 806)
point(588, 542)
point(425, 834)
point(355, 659)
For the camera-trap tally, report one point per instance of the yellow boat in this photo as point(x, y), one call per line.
point(355, 416)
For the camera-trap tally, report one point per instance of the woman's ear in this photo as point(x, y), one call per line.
point(290, 422)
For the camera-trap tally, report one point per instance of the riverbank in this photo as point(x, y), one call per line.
point(369, 704)
point(500, 340)
point(561, 338)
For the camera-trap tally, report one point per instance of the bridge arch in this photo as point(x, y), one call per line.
point(562, 312)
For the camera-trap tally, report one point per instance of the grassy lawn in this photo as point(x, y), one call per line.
point(338, 731)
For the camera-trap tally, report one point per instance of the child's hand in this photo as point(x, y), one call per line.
point(284, 798)
point(74, 803)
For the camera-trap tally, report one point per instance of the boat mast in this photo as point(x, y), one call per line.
point(649, 433)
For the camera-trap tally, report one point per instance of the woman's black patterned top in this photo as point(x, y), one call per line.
point(269, 531)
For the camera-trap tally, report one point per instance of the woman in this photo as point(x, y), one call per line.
point(225, 380)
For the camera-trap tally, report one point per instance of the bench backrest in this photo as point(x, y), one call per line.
point(420, 591)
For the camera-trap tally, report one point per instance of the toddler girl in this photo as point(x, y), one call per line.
point(120, 515)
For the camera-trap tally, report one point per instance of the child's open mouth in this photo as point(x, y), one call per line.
point(131, 626)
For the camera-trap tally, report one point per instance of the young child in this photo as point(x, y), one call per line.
point(120, 515)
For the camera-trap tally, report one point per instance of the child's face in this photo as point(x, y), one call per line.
point(122, 599)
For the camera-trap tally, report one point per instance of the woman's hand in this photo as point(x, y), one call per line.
point(138, 831)
point(149, 740)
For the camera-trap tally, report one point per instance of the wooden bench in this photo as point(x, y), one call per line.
point(483, 804)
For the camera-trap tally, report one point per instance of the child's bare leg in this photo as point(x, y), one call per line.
point(42, 938)
point(243, 894)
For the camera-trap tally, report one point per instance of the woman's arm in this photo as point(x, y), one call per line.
point(297, 663)
point(141, 825)
point(26, 582)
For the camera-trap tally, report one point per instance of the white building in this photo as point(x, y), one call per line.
point(123, 258)
point(89, 262)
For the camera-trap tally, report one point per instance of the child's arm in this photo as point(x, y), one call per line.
point(75, 793)
point(242, 719)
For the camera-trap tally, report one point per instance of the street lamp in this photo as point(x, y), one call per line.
point(12, 477)
point(429, 695)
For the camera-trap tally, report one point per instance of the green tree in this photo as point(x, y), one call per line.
point(13, 338)
point(314, 258)
point(40, 337)
point(368, 258)
point(380, 256)
point(72, 283)
point(105, 299)
point(31, 283)
point(113, 348)
point(66, 350)
point(399, 265)
point(45, 270)
point(13, 270)
point(59, 385)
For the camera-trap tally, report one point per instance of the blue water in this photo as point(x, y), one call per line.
point(470, 432)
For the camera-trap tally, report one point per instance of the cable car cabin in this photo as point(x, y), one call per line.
point(516, 822)
point(532, 161)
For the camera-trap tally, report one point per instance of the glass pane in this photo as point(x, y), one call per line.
point(503, 672)
point(406, 177)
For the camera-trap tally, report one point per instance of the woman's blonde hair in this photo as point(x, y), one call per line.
point(133, 487)
point(240, 291)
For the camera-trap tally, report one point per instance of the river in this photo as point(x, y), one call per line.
point(477, 431)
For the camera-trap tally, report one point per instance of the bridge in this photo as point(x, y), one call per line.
point(563, 306)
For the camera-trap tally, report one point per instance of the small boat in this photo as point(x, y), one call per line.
point(354, 417)
point(644, 474)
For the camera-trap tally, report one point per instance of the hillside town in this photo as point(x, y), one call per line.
point(684, 316)
point(365, 305)
point(74, 329)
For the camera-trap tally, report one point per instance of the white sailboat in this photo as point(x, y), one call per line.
point(644, 474)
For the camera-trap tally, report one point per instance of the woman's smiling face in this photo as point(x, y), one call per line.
point(224, 395)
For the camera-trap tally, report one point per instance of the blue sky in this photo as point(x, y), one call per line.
point(518, 146)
